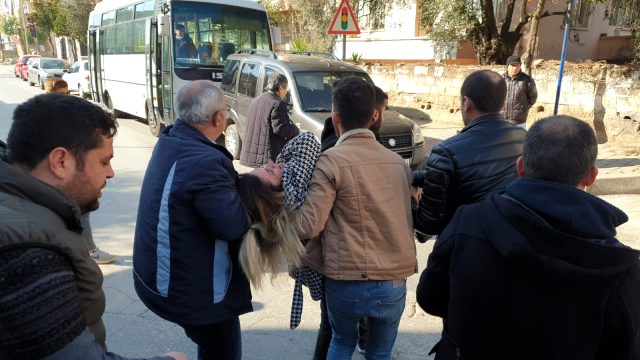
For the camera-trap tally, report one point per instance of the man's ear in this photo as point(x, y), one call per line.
point(520, 166)
point(590, 178)
point(218, 120)
point(336, 121)
point(375, 116)
point(62, 163)
point(468, 104)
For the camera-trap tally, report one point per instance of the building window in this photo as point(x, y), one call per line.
point(619, 17)
point(581, 12)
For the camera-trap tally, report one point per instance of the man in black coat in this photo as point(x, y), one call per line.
point(521, 93)
point(479, 160)
point(184, 44)
point(269, 126)
point(536, 272)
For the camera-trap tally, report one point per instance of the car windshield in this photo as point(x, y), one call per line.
point(314, 88)
point(53, 64)
point(211, 32)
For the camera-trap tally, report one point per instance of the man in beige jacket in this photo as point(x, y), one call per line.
point(360, 200)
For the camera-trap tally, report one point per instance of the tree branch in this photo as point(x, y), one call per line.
point(547, 13)
point(522, 24)
point(506, 23)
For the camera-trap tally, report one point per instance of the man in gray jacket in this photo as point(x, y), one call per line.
point(521, 93)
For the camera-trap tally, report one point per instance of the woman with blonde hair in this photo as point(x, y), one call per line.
point(269, 244)
point(270, 193)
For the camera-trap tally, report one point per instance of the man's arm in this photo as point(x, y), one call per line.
point(39, 283)
point(311, 217)
point(620, 337)
point(281, 124)
point(433, 291)
point(216, 199)
point(431, 215)
point(532, 93)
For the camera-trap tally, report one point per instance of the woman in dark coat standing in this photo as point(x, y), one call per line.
point(268, 125)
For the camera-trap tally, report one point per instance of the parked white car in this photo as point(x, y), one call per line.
point(41, 69)
point(78, 78)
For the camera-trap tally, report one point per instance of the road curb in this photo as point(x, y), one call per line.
point(615, 184)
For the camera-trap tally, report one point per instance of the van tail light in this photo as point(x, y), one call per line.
point(86, 77)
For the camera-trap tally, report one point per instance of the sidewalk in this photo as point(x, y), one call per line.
point(618, 173)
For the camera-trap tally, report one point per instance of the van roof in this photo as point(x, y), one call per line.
point(297, 63)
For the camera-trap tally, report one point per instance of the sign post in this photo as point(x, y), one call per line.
point(347, 24)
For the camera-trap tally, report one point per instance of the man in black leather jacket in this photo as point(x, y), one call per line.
point(521, 93)
point(479, 160)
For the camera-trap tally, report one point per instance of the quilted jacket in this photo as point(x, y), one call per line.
point(465, 168)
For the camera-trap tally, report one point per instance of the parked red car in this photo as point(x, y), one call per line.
point(20, 68)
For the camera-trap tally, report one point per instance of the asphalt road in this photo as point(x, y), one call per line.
point(134, 331)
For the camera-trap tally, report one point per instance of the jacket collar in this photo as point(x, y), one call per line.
point(16, 182)
point(352, 132)
point(483, 120)
point(183, 130)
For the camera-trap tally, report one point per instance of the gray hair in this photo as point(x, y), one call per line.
point(561, 149)
point(276, 81)
point(198, 101)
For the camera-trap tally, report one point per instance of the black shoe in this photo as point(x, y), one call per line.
point(422, 238)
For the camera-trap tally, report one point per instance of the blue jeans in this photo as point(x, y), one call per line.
point(348, 301)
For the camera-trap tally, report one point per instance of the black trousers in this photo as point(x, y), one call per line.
point(219, 341)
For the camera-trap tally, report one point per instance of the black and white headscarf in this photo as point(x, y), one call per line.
point(300, 156)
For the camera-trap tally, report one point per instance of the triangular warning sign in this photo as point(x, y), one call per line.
point(344, 22)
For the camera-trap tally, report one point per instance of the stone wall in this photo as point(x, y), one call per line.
point(606, 96)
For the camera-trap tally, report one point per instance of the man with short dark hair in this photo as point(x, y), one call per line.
point(190, 226)
point(479, 160)
point(359, 199)
point(269, 126)
point(328, 139)
point(521, 93)
point(538, 267)
point(57, 161)
point(59, 86)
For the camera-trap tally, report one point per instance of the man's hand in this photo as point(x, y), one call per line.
point(415, 195)
point(177, 355)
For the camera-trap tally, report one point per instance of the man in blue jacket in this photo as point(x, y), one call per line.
point(537, 272)
point(189, 228)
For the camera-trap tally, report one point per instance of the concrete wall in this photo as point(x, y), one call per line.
point(605, 96)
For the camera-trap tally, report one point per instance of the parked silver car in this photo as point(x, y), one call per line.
point(43, 68)
point(78, 78)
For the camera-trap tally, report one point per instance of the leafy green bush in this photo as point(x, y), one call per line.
point(299, 45)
